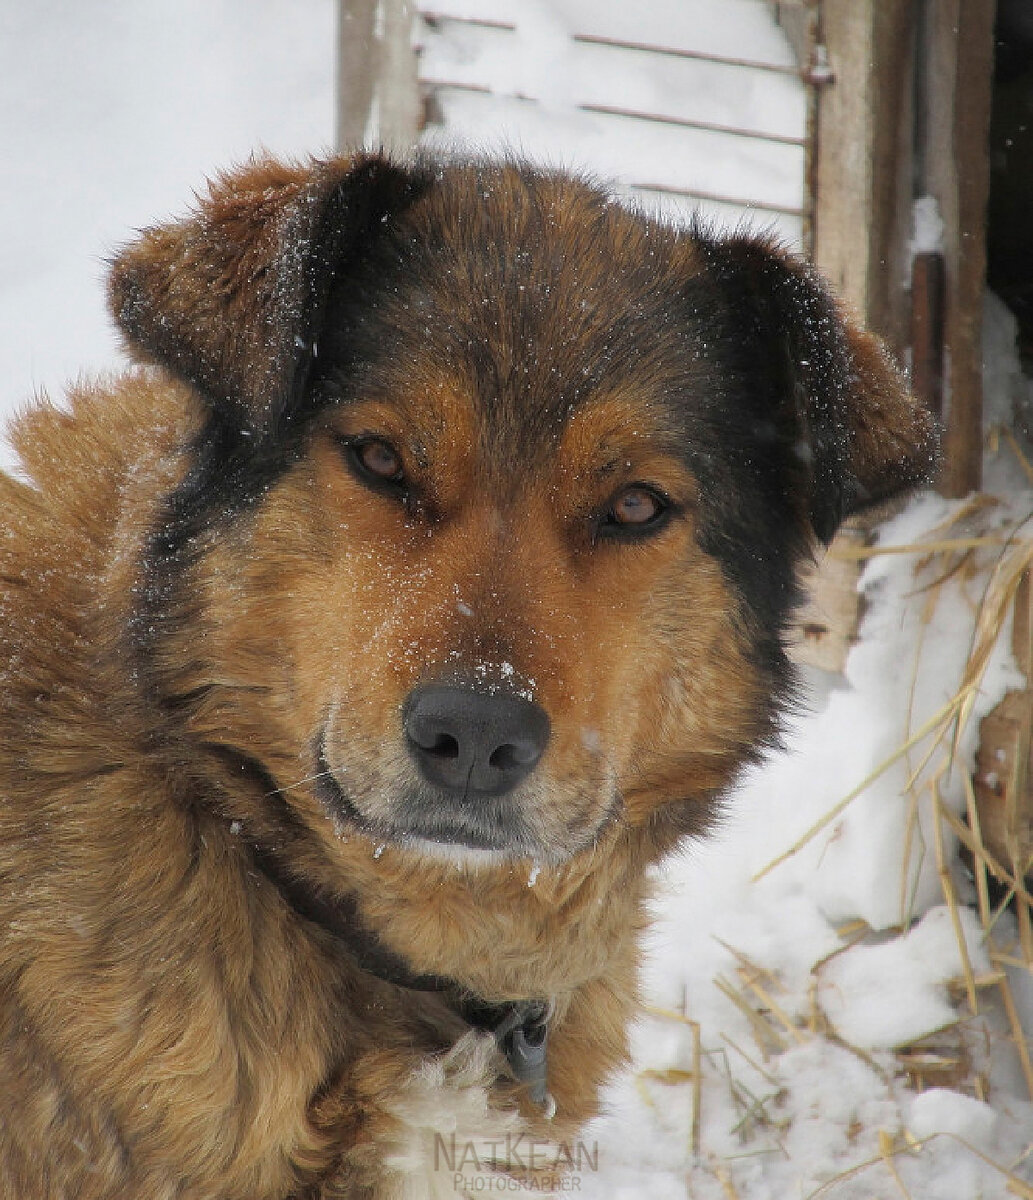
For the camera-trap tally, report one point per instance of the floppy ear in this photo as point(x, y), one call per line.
point(893, 438)
point(856, 434)
point(231, 298)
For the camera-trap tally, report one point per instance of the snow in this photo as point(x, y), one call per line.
point(787, 970)
point(845, 951)
point(706, 27)
point(927, 228)
point(915, 967)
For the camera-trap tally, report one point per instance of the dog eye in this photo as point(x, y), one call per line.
point(637, 506)
point(636, 510)
point(376, 461)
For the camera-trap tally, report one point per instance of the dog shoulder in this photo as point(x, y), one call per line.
point(92, 474)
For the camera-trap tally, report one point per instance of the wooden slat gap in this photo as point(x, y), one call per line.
point(608, 110)
point(684, 123)
point(439, 18)
point(595, 39)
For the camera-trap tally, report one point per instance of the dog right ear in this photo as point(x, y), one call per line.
point(824, 390)
point(231, 299)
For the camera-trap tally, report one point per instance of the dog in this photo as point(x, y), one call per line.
point(424, 581)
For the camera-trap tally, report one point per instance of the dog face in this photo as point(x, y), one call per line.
point(489, 539)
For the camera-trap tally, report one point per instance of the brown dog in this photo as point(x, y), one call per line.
point(363, 650)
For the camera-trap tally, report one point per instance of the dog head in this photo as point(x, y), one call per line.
point(490, 536)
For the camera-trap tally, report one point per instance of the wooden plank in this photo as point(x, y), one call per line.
point(726, 60)
point(843, 166)
point(927, 308)
point(862, 177)
point(630, 151)
point(958, 87)
point(875, 146)
point(894, 38)
point(355, 70)
point(663, 118)
point(1003, 779)
point(378, 101)
point(699, 25)
point(604, 75)
point(684, 207)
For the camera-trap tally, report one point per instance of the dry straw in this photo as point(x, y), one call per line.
point(974, 544)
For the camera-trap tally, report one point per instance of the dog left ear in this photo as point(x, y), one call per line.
point(231, 299)
point(856, 433)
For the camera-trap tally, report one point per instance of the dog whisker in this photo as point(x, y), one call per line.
point(300, 783)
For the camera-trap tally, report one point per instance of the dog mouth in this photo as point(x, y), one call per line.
point(481, 829)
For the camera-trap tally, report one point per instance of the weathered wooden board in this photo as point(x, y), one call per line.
point(752, 101)
point(1003, 779)
point(907, 113)
point(646, 154)
point(688, 105)
point(710, 27)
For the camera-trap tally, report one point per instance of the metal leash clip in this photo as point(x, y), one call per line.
point(523, 1036)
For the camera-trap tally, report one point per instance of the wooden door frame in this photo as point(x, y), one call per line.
point(905, 113)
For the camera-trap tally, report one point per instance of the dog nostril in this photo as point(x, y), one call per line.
point(426, 735)
point(444, 746)
point(510, 757)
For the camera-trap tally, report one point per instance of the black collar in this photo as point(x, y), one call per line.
point(520, 1027)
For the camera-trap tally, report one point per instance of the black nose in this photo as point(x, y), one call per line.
point(473, 742)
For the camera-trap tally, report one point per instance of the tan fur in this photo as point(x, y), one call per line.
point(170, 1025)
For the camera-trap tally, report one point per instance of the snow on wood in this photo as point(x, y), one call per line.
point(378, 101)
point(635, 79)
point(733, 29)
point(642, 153)
point(687, 106)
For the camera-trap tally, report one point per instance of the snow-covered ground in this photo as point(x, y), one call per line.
point(807, 981)
point(771, 1062)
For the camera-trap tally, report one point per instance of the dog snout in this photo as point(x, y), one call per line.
point(471, 742)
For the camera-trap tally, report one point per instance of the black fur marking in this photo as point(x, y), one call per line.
point(767, 437)
point(229, 475)
point(353, 219)
point(793, 355)
point(236, 461)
